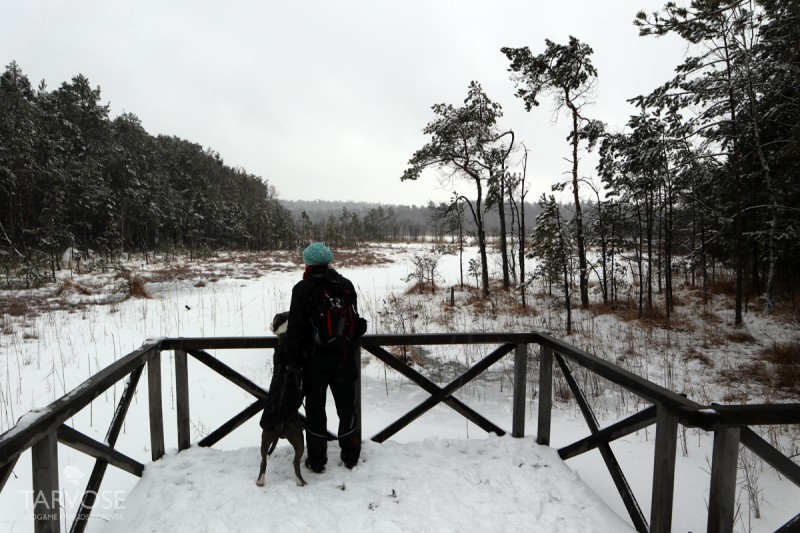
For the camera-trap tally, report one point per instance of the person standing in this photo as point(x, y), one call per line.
point(322, 331)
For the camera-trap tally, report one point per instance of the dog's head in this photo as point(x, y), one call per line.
point(280, 323)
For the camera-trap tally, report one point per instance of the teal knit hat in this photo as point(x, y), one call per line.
point(317, 254)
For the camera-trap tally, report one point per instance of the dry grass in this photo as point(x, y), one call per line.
point(136, 288)
point(776, 368)
point(740, 336)
point(421, 288)
point(722, 285)
point(785, 359)
point(15, 308)
point(68, 287)
point(693, 355)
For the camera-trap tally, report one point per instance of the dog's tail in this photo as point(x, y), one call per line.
point(275, 442)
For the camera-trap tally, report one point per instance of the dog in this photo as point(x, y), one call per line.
point(280, 418)
point(291, 430)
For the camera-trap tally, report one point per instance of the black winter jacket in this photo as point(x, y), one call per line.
point(299, 335)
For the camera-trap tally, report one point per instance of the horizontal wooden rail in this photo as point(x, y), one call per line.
point(687, 410)
point(37, 424)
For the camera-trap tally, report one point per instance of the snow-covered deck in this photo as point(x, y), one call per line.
point(494, 484)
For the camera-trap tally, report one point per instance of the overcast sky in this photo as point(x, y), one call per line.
point(328, 99)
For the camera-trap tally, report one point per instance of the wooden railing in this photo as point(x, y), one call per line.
point(41, 431)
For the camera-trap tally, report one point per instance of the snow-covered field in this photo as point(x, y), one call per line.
point(439, 474)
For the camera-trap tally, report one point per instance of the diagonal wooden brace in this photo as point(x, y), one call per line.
point(432, 388)
point(6, 470)
point(442, 394)
point(100, 465)
point(625, 427)
point(624, 489)
point(83, 443)
point(228, 373)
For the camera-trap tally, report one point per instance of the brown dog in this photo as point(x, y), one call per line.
point(291, 430)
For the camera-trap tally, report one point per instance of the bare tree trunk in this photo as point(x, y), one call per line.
point(773, 225)
point(582, 269)
point(565, 270)
point(737, 171)
point(501, 211)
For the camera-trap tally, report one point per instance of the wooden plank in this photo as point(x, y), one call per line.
point(225, 429)
point(430, 387)
point(545, 396)
point(6, 471)
point(722, 497)
point(620, 429)
point(686, 410)
point(367, 341)
point(792, 526)
point(474, 371)
point(100, 466)
point(219, 343)
point(624, 489)
point(771, 455)
point(228, 373)
point(155, 404)
point(85, 444)
point(182, 399)
point(752, 415)
point(46, 494)
point(520, 388)
point(17, 439)
point(664, 472)
point(423, 339)
point(125, 400)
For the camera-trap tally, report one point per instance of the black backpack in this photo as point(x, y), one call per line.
point(334, 320)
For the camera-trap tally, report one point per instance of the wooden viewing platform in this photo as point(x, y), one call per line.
point(41, 432)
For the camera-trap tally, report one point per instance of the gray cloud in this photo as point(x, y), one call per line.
point(328, 99)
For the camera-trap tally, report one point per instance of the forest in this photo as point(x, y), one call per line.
point(702, 185)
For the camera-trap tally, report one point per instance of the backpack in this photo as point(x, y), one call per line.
point(333, 315)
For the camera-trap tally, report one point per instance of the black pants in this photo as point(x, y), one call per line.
point(318, 376)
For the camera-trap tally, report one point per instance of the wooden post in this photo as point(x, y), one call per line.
point(182, 399)
point(520, 385)
point(545, 396)
point(722, 497)
point(46, 495)
point(156, 413)
point(664, 471)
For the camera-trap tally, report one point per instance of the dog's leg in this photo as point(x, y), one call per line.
point(294, 434)
point(264, 447)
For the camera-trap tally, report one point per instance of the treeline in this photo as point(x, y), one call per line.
point(72, 177)
point(352, 223)
point(702, 180)
point(348, 224)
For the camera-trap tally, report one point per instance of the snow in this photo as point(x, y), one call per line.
point(494, 484)
point(446, 473)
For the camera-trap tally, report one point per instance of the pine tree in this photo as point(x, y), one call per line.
point(567, 71)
